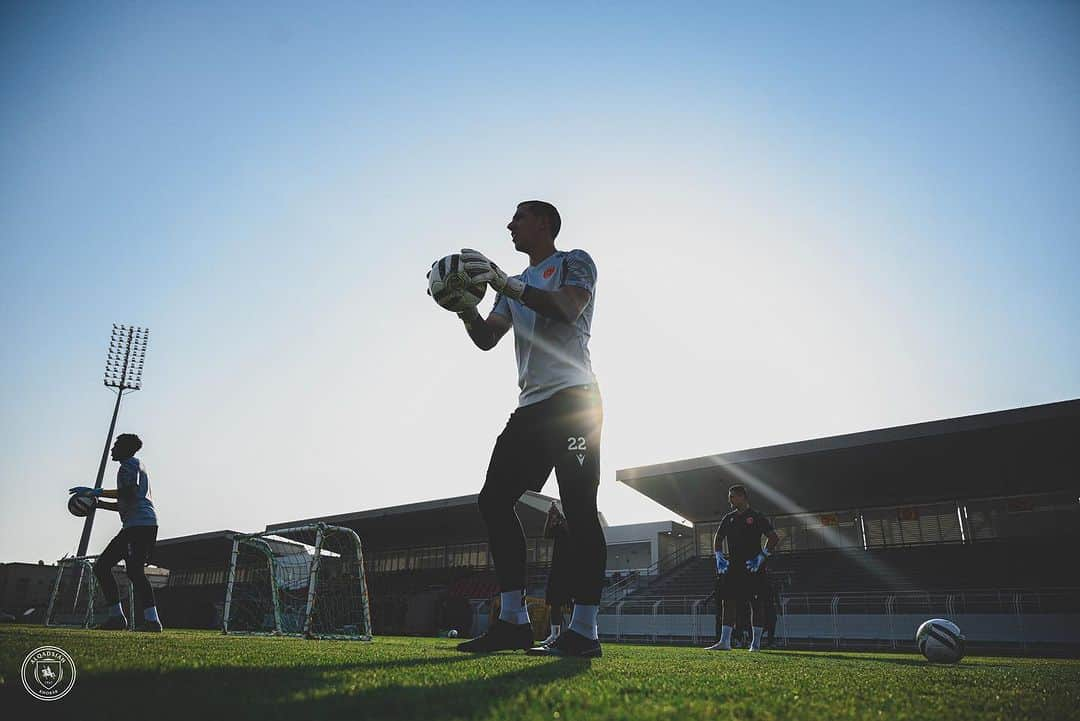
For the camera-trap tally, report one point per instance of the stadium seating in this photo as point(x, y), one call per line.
point(1028, 564)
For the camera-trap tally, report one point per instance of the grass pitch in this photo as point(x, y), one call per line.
point(206, 676)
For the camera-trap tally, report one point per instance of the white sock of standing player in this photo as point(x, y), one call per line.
point(758, 631)
point(512, 608)
point(584, 620)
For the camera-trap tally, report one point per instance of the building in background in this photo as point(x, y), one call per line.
point(25, 586)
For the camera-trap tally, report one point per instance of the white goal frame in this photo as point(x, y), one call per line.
point(84, 566)
point(258, 542)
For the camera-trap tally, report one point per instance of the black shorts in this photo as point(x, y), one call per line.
point(561, 432)
point(740, 585)
point(134, 544)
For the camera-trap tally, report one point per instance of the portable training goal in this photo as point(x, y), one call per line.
point(76, 598)
point(303, 581)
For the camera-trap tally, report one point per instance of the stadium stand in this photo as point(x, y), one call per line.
point(976, 515)
point(1023, 564)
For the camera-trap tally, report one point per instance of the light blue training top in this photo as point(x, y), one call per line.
point(137, 511)
point(552, 355)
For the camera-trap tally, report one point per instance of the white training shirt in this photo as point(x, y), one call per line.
point(552, 355)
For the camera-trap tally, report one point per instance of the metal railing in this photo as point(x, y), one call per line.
point(636, 580)
point(1003, 617)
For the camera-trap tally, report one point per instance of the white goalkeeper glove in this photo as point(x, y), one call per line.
point(482, 270)
point(721, 563)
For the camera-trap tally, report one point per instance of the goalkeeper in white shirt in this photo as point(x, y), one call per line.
point(556, 425)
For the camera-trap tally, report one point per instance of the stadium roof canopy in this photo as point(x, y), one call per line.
point(440, 522)
point(198, 550)
point(1012, 452)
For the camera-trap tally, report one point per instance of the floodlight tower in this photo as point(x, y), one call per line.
point(123, 372)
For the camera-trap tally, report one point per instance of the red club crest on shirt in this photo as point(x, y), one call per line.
point(549, 272)
point(749, 520)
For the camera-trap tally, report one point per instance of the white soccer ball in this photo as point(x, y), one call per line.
point(451, 287)
point(452, 633)
point(940, 641)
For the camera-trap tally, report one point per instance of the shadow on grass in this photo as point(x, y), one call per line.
point(899, 661)
point(368, 690)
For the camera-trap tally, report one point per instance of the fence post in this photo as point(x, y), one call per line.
point(694, 621)
point(131, 604)
point(834, 608)
point(1018, 607)
point(655, 622)
point(783, 615)
point(618, 620)
point(890, 606)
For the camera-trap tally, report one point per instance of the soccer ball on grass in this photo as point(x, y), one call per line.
point(940, 641)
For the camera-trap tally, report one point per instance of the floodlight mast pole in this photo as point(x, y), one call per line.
point(123, 374)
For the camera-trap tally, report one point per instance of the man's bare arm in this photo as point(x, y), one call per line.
point(485, 334)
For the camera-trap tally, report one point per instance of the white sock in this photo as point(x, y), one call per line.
point(584, 620)
point(725, 635)
point(150, 614)
point(116, 610)
point(555, 629)
point(512, 607)
point(758, 630)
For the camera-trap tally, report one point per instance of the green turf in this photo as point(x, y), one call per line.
point(193, 674)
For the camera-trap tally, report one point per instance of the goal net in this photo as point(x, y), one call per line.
point(303, 581)
point(76, 598)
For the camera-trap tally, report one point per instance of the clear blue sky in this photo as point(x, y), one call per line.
point(807, 221)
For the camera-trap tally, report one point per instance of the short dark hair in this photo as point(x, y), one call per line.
point(544, 209)
point(129, 440)
point(738, 489)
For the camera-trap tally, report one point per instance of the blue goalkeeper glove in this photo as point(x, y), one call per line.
point(755, 563)
point(86, 491)
point(721, 563)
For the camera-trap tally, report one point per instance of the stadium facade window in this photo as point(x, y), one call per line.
point(464, 555)
point(817, 531)
point(912, 525)
point(1047, 514)
point(703, 537)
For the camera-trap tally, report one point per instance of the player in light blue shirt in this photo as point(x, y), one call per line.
point(136, 540)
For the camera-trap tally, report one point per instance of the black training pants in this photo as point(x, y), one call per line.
point(135, 545)
point(736, 588)
point(562, 432)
